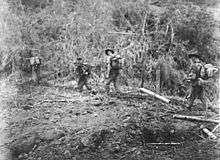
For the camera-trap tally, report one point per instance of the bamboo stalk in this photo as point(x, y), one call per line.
point(155, 95)
point(209, 133)
point(216, 127)
point(125, 33)
point(62, 100)
point(172, 143)
point(193, 118)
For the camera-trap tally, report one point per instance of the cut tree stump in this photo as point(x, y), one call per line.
point(193, 118)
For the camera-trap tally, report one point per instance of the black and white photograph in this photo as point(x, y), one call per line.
point(110, 79)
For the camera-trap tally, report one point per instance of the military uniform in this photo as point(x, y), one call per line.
point(114, 67)
point(35, 62)
point(83, 71)
point(197, 91)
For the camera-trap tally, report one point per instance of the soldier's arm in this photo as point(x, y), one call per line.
point(192, 73)
point(191, 76)
point(207, 81)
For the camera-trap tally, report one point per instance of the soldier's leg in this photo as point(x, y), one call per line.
point(203, 100)
point(86, 83)
point(116, 84)
point(191, 99)
point(199, 93)
point(207, 104)
point(33, 73)
point(107, 85)
point(38, 74)
point(81, 83)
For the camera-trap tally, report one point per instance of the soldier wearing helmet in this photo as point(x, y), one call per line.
point(113, 71)
point(197, 80)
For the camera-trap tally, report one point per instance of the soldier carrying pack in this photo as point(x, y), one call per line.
point(199, 73)
point(83, 71)
point(35, 62)
point(114, 66)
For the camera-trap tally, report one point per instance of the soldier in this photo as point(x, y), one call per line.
point(83, 71)
point(113, 69)
point(35, 62)
point(197, 81)
point(194, 77)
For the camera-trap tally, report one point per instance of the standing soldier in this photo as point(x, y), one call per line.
point(197, 81)
point(113, 70)
point(35, 62)
point(83, 71)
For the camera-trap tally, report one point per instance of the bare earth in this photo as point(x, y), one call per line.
point(49, 123)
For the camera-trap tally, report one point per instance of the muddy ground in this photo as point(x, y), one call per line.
point(54, 122)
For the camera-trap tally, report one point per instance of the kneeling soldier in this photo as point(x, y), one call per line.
point(83, 71)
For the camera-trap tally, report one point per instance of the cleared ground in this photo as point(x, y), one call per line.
point(49, 123)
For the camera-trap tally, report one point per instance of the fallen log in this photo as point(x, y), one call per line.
point(125, 33)
point(62, 100)
point(155, 95)
point(164, 143)
point(209, 133)
point(193, 118)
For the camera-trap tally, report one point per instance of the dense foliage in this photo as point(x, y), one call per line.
point(144, 32)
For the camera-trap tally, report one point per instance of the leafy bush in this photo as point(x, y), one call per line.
point(141, 32)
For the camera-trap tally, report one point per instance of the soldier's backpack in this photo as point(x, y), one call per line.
point(115, 62)
point(208, 71)
point(35, 61)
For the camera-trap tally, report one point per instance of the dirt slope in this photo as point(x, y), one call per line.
point(59, 123)
point(7, 94)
